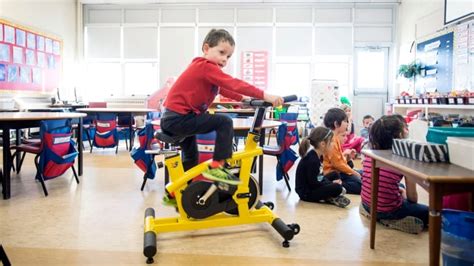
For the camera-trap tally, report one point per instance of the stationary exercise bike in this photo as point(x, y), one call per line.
point(206, 204)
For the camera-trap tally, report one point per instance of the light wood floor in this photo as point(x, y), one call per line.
point(100, 221)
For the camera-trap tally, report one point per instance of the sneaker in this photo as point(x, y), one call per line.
point(363, 211)
point(344, 191)
point(409, 224)
point(339, 201)
point(221, 175)
point(169, 201)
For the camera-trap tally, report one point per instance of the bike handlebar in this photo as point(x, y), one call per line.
point(255, 102)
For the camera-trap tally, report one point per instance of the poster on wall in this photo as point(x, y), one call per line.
point(254, 68)
point(29, 60)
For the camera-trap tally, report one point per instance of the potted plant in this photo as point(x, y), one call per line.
point(409, 72)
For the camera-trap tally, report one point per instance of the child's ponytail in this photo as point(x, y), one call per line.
point(304, 146)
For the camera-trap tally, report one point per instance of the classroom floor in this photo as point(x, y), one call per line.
point(100, 221)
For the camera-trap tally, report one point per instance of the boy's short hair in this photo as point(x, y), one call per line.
point(215, 36)
point(368, 117)
point(334, 117)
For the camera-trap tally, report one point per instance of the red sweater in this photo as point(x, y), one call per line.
point(199, 84)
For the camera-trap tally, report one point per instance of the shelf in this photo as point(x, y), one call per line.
point(435, 106)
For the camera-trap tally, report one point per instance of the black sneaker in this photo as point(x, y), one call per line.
point(339, 201)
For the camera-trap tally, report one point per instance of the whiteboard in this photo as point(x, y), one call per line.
point(457, 9)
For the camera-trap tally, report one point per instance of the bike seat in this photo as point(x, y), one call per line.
point(167, 138)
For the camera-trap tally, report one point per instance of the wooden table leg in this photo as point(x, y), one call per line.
point(373, 202)
point(6, 163)
point(435, 223)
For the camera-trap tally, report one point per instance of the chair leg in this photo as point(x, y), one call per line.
point(287, 181)
point(88, 136)
point(4, 257)
point(39, 176)
point(75, 174)
point(270, 132)
point(144, 182)
point(21, 162)
point(13, 161)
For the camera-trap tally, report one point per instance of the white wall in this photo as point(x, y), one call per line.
point(56, 17)
point(416, 19)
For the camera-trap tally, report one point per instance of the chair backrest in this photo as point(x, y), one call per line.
point(154, 116)
point(205, 143)
point(106, 135)
point(58, 149)
point(97, 104)
point(292, 124)
point(144, 161)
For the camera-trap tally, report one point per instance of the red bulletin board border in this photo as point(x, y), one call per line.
point(18, 76)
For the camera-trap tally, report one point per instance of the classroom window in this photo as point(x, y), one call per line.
point(103, 80)
point(141, 78)
point(292, 78)
point(334, 68)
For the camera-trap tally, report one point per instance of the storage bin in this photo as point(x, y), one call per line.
point(440, 134)
point(457, 237)
point(461, 151)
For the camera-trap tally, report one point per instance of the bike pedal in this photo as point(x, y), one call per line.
point(224, 187)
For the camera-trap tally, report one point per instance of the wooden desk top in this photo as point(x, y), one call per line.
point(241, 123)
point(18, 116)
point(432, 172)
point(115, 110)
point(243, 110)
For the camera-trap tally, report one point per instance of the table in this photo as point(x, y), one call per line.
point(120, 111)
point(438, 179)
point(19, 120)
point(241, 112)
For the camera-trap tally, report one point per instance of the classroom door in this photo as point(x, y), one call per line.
point(370, 83)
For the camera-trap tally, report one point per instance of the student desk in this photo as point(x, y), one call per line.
point(19, 120)
point(241, 112)
point(241, 128)
point(438, 179)
point(131, 112)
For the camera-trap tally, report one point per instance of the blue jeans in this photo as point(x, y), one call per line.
point(351, 183)
point(406, 209)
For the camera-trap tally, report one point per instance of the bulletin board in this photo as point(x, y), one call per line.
point(30, 61)
point(436, 55)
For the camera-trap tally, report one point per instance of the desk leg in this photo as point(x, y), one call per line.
point(17, 142)
point(260, 161)
point(130, 127)
point(373, 203)
point(80, 147)
point(435, 223)
point(6, 163)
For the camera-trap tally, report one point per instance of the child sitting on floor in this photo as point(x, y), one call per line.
point(336, 159)
point(397, 208)
point(311, 184)
point(366, 123)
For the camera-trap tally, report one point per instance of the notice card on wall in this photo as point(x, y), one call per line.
point(254, 68)
point(29, 60)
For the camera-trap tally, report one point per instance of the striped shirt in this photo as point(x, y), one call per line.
point(389, 198)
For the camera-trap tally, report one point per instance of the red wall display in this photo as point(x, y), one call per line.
point(30, 61)
point(254, 68)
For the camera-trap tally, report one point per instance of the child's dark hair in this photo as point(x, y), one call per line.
point(215, 36)
point(316, 136)
point(334, 115)
point(368, 117)
point(384, 130)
